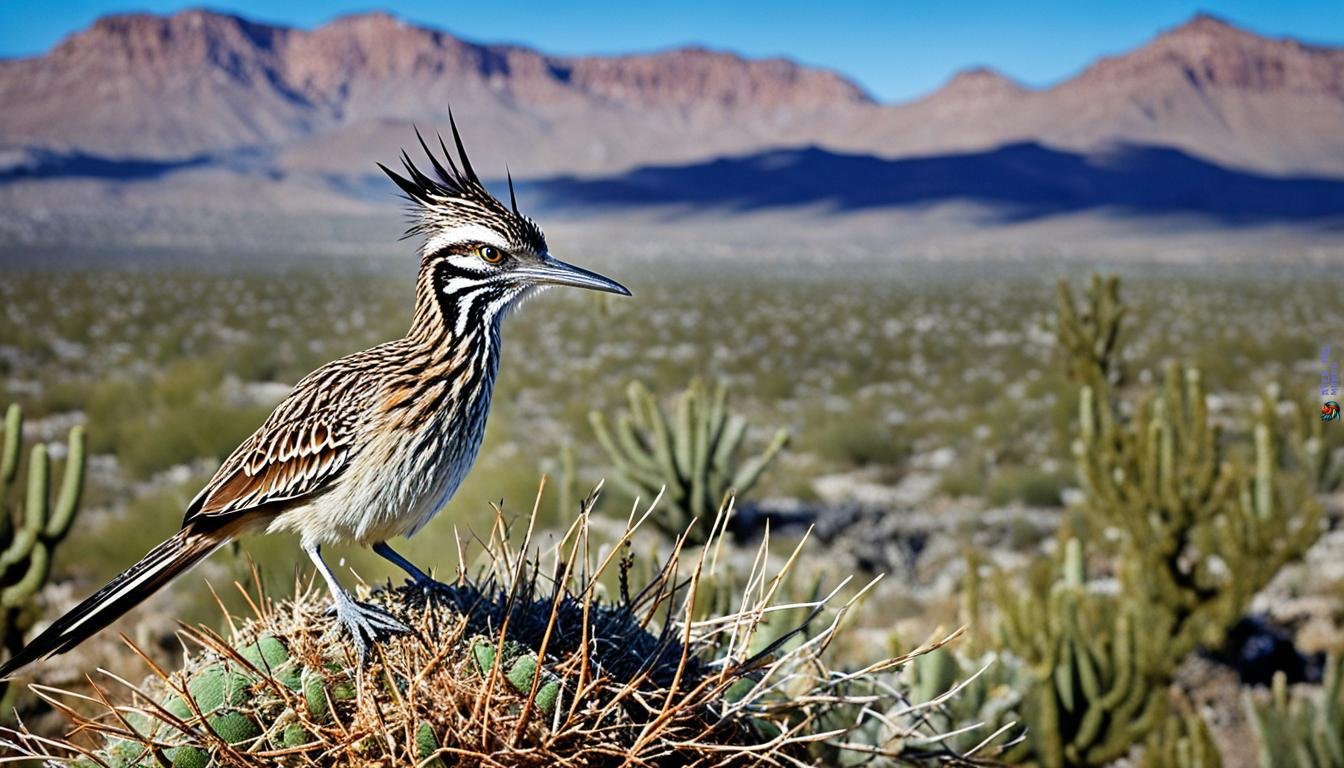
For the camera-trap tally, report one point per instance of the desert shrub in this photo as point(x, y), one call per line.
point(1029, 485)
point(862, 441)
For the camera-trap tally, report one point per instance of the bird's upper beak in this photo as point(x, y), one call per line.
point(552, 271)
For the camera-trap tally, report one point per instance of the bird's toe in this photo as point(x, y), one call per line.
point(366, 624)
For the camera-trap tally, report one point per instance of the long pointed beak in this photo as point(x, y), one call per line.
point(555, 272)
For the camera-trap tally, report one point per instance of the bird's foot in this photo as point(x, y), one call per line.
point(367, 624)
point(435, 591)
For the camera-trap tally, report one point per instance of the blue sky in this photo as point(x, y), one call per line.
point(897, 50)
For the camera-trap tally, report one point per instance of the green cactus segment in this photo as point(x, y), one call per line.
point(124, 753)
point(320, 691)
point(314, 687)
point(217, 686)
point(739, 690)
point(246, 705)
point(483, 652)
point(72, 488)
point(1183, 742)
point(520, 668)
point(426, 743)
point(935, 673)
point(9, 456)
point(295, 735)
point(31, 527)
point(39, 480)
point(189, 757)
point(427, 746)
point(269, 655)
point(235, 727)
point(692, 457)
point(1089, 335)
point(1194, 529)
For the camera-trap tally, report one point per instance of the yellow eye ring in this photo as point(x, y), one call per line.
point(490, 254)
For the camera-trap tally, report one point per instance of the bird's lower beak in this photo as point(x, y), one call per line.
point(556, 272)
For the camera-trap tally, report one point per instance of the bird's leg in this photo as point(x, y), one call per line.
point(418, 576)
point(431, 587)
point(367, 624)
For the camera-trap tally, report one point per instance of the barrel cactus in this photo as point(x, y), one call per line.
point(251, 696)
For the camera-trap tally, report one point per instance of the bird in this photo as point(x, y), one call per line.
point(370, 446)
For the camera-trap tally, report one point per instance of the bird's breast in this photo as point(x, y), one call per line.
point(439, 448)
point(417, 445)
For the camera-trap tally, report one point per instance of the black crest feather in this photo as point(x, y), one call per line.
point(455, 195)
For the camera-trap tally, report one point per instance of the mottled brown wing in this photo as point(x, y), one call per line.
point(306, 442)
point(280, 462)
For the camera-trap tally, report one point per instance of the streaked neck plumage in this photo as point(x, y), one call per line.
point(452, 349)
point(453, 310)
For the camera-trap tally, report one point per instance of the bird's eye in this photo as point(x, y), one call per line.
point(490, 254)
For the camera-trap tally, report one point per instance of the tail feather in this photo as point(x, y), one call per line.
point(123, 593)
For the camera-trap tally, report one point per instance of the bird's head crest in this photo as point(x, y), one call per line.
point(453, 205)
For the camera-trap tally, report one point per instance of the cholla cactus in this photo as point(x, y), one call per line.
point(1194, 532)
point(1098, 683)
point(981, 699)
point(1089, 336)
point(1297, 729)
point(31, 530)
point(513, 668)
point(1200, 533)
point(694, 457)
point(1183, 742)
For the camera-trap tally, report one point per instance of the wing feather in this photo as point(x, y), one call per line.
point(281, 463)
point(305, 444)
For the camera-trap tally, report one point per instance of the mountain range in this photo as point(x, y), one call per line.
point(201, 110)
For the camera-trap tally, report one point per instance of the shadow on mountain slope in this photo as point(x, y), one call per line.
point(1018, 181)
point(43, 164)
point(1015, 182)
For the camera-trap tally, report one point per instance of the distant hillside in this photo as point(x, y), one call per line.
point(199, 83)
point(337, 97)
point(1206, 87)
point(164, 126)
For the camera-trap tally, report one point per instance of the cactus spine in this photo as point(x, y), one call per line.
point(693, 455)
point(31, 530)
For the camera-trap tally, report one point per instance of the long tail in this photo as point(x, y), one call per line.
point(123, 593)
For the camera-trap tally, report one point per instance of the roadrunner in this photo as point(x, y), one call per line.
point(371, 446)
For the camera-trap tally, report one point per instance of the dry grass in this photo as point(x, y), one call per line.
point(628, 675)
